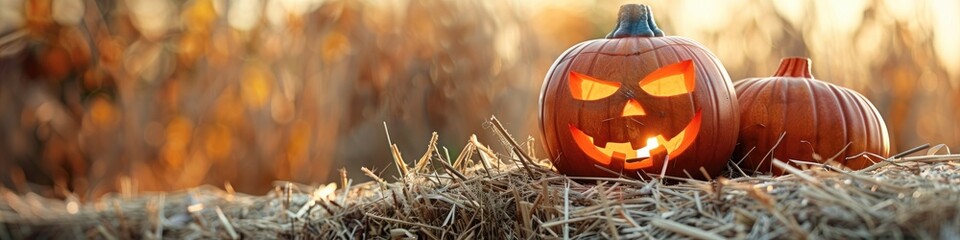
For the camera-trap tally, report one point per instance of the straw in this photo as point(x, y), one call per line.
point(477, 197)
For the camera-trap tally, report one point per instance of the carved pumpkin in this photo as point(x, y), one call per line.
point(812, 115)
point(637, 101)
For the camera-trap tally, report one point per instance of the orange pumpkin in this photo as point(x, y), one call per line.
point(817, 121)
point(638, 101)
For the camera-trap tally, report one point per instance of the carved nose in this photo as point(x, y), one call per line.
point(633, 108)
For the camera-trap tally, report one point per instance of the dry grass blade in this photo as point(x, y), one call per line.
point(566, 210)
point(685, 230)
point(524, 157)
point(403, 222)
point(936, 149)
point(486, 155)
point(105, 233)
point(431, 148)
point(465, 154)
point(398, 161)
point(226, 224)
point(910, 151)
point(895, 156)
point(769, 154)
point(395, 152)
point(374, 176)
point(792, 170)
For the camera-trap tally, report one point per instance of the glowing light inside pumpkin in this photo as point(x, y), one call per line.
point(637, 158)
point(671, 80)
point(684, 139)
point(584, 87)
point(644, 152)
point(633, 108)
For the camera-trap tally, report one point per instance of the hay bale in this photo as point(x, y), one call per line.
point(482, 194)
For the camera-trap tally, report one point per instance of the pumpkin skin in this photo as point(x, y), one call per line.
point(812, 115)
point(654, 100)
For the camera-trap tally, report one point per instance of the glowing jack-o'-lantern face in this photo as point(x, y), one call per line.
point(675, 81)
point(638, 101)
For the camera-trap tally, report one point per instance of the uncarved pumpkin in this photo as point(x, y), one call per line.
point(816, 119)
point(638, 101)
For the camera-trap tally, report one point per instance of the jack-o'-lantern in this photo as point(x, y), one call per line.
point(792, 116)
point(638, 101)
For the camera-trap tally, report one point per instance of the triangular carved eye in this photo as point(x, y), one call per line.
point(671, 80)
point(584, 87)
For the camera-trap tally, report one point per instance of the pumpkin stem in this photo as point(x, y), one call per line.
point(794, 67)
point(635, 20)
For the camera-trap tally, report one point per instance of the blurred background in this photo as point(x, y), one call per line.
point(99, 96)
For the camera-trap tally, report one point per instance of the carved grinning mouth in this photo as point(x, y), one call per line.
point(638, 157)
